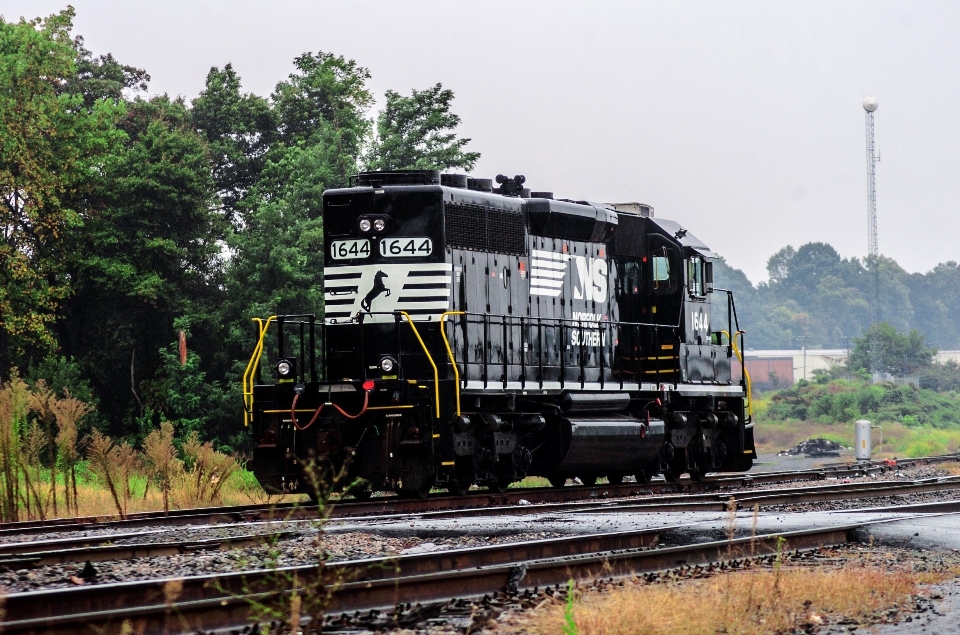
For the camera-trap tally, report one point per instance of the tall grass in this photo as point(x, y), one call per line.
point(46, 460)
point(754, 602)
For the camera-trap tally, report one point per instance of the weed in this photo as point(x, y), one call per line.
point(14, 403)
point(162, 461)
point(206, 471)
point(68, 412)
point(114, 464)
point(857, 592)
point(41, 402)
point(569, 623)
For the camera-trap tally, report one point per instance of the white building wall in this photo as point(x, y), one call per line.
point(812, 359)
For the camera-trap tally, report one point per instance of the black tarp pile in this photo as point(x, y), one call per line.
point(815, 447)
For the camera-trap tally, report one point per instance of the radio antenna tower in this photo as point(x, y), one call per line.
point(870, 105)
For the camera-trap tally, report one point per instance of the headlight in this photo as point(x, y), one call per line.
point(386, 364)
point(364, 225)
point(379, 224)
point(284, 368)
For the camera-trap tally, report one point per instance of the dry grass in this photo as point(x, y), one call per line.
point(951, 469)
point(748, 602)
point(95, 499)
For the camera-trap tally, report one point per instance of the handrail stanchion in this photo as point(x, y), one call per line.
point(251, 368)
point(563, 358)
point(505, 352)
point(436, 374)
point(523, 354)
point(453, 360)
point(540, 349)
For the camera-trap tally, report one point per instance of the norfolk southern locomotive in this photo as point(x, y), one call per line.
point(476, 334)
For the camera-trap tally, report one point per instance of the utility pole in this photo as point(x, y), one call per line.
point(803, 343)
point(870, 105)
point(846, 343)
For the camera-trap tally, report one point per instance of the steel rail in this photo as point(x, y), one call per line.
point(224, 601)
point(32, 554)
point(75, 549)
point(714, 501)
point(393, 505)
point(34, 611)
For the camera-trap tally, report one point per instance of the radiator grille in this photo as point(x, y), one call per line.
point(483, 228)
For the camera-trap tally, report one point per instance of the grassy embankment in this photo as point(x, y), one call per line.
point(785, 599)
point(915, 421)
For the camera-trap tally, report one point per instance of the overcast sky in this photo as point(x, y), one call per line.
point(741, 120)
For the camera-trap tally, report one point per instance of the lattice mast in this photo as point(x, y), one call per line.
point(870, 105)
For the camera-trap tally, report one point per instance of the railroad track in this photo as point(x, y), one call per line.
point(474, 500)
point(224, 600)
point(16, 555)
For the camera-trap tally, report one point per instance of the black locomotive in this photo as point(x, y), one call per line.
point(477, 334)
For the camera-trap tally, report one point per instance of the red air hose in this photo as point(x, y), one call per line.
point(293, 410)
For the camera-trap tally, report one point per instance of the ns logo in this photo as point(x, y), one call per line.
point(592, 282)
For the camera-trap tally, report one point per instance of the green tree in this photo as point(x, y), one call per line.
point(50, 145)
point(149, 252)
point(840, 309)
point(895, 306)
point(239, 129)
point(416, 133)
point(902, 353)
point(324, 102)
point(102, 77)
point(277, 256)
point(935, 297)
point(277, 260)
point(744, 295)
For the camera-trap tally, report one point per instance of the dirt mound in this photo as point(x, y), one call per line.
point(815, 447)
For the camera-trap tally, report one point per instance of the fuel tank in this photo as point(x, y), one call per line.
point(609, 444)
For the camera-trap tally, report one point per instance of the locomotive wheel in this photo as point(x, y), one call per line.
point(557, 481)
point(615, 479)
point(500, 486)
point(458, 489)
point(422, 492)
point(670, 476)
point(360, 492)
point(589, 480)
point(642, 477)
point(696, 475)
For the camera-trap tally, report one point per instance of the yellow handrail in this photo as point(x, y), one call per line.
point(446, 342)
point(436, 375)
point(252, 369)
point(746, 375)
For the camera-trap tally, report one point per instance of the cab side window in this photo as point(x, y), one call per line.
point(665, 272)
point(695, 277)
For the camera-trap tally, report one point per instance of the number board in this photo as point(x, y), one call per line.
point(406, 247)
point(350, 249)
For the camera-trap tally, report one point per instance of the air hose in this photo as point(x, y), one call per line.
point(293, 410)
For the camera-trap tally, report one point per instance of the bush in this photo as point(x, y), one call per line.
point(846, 400)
